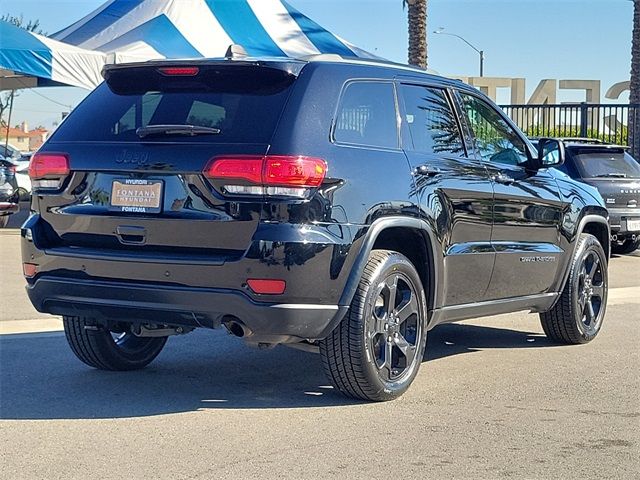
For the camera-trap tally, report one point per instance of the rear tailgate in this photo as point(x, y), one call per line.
point(130, 192)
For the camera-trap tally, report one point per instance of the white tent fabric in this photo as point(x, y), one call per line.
point(204, 28)
point(138, 30)
point(27, 54)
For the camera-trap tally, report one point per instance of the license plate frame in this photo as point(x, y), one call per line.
point(633, 224)
point(133, 195)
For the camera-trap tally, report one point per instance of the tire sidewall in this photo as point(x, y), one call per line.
point(395, 263)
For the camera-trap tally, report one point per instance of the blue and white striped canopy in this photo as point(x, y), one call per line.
point(49, 62)
point(202, 28)
point(137, 30)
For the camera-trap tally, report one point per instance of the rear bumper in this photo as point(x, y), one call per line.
point(618, 220)
point(182, 306)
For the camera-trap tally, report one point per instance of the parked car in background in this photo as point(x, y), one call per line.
point(616, 175)
point(8, 192)
point(23, 182)
point(20, 160)
point(8, 151)
point(342, 206)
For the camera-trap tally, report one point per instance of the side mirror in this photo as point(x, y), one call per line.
point(550, 153)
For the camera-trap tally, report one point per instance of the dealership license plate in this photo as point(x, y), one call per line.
point(136, 195)
point(633, 225)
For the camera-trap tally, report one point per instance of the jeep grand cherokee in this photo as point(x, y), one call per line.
point(340, 205)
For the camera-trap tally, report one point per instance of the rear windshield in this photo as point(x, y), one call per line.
point(605, 164)
point(243, 102)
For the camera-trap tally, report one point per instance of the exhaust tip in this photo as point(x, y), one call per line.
point(235, 327)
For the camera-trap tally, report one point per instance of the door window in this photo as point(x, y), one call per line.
point(367, 115)
point(496, 141)
point(431, 120)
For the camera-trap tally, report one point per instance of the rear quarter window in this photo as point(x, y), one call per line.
point(367, 115)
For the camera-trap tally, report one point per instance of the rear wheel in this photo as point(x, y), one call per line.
point(627, 246)
point(4, 219)
point(101, 348)
point(23, 195)
point(577, 316)
point(376, 351)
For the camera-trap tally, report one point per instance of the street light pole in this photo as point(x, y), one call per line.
point(441, 31)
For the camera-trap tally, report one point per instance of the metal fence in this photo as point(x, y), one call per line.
point(607, 122)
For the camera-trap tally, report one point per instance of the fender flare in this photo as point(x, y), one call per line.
point(589, 218)
point(435, 267)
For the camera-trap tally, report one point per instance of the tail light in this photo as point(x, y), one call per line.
point(47, 170)
point(179, 71)
point(273, 175)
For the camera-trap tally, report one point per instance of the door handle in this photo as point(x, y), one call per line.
point(131, 235)
point(503, 178)
point(427, 170)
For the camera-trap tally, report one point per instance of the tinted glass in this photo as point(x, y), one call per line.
point(245, 104)
point(367, 115)
point(495, 140)
point(600, 163)
point(431, 120)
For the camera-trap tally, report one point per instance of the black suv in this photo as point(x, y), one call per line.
point(616, 175)
point(336, 205)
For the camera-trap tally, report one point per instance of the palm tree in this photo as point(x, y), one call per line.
point(634, 97)
point(417, 16)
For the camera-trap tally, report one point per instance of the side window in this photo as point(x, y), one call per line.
point(495, 139)
point(431, 120)
point(367, 115)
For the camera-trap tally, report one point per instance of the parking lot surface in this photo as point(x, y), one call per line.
point(493, 399)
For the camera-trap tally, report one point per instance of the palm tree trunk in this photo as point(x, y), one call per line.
point(634, 97)
point(417, 16)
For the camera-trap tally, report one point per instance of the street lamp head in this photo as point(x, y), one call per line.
point(439, 30)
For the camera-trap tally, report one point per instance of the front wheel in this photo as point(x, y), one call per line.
point(101, 348)
point(376, 351)
point(627, 246)
point(579, 312)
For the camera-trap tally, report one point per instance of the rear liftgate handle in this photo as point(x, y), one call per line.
point(131, 235)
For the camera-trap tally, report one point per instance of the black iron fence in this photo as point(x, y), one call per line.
point(607, 122)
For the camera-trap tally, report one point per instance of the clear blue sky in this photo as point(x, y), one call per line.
point(534, 39)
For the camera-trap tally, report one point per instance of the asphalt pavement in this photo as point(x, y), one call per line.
point(494, 399)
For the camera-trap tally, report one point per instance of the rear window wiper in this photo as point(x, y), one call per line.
point(615, 175)
point(189, 130)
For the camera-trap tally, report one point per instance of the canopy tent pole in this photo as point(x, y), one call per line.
point(6, 142)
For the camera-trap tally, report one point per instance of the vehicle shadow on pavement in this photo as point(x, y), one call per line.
point(41, 379)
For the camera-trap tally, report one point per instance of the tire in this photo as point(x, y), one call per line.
point(376, 350)
point(97, 347)
point(579, 312)
point(4, 220)
point(626, 247)
point(23, 195)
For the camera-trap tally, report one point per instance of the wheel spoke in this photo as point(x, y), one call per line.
point(590, 312)
point(388, 358)
point(392, 286)
point(408, 350)
point(594, 266)
point(598, 291)
point(409, 308)
point(582, 298)
point(378, 325)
